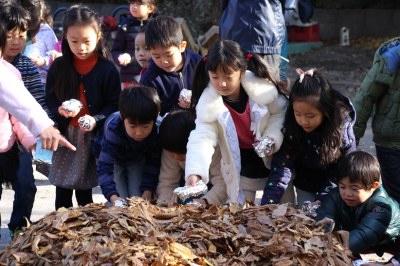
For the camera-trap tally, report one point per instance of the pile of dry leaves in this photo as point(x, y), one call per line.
point(144, 234)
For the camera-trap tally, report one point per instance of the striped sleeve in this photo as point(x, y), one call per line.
point(31, 78)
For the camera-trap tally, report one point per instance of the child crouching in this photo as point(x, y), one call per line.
point(129, 162)
point(361, 206)
point(174, 134)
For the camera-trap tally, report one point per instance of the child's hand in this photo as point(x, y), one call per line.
point(37, 59)
point(117, 201)
point(124, 59)
point(67, 114)
point(91, 124)
point(147, 194)
point(185, 104)
point(271, 152)
point(53, 55)
point(192, 180)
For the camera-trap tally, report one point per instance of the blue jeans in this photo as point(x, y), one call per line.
point(128, 178)
point(25, 191)
point(389, 160)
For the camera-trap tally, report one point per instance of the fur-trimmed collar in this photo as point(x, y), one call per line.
point(211, 105)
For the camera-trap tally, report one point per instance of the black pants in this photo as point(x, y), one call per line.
point(64, 197)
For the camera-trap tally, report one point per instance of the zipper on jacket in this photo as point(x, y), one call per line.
point(181, 80)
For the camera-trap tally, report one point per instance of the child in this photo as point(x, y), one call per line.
point(361, 206)
point(379, 96)
point(16, 100)
point(172, 66)
point(235, 108)
point(123, 49)
point(80, 73)
point(46, 42)
point(142, 53)
point(318, 131)
point(16, 20)
point(129, 161)
point(174, 134)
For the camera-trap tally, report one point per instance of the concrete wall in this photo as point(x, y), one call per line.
point(361, 22)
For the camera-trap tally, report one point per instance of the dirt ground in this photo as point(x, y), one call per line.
point(344, 66)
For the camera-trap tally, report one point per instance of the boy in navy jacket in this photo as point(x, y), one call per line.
point(130, 158)
point(172, 65)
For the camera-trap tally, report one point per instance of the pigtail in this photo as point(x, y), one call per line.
point(257, 65)
point(199, 83)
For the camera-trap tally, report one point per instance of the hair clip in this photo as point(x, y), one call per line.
point(249, 56)
point(204, 59)
point(302, 74)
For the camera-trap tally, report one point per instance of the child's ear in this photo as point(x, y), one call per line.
point(375, 185)
point(182, 46)
point(151, 8)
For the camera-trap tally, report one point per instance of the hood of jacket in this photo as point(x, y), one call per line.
point(261, 91)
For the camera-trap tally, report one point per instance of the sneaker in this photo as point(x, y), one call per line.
point(16, 233)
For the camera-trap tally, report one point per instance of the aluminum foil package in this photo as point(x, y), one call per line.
point(264, 146)
point(84, 122)
point(309, 209)
point(120, 203)
point(72, 105)
point(187, 194)
point(186, 95)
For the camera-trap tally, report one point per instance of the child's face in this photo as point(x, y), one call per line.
point(140, 11)
point(226, 83)
point(82, 39)
point(142, 54)
point(177, 156)
point(15, 44)
point(138, 132)
point(307, 115)
point(353, 194)
point(169, 59)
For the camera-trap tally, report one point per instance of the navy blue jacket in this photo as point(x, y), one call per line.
point(117, 146)
point(170, 84)
point(257, 25)
point(373, 224)
point(311, 175)
point(102, 89)
point(124, 42)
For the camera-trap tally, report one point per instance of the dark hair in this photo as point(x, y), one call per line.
point(66, 85)
point(175, 130)
point(145, 2)
point(328, 101)
point(33, 7)
point(163, 31)
point(14, 16)
point(46, 15)
point(229, 55)
point(139, 104)
point(3, 36)
point(359, 166)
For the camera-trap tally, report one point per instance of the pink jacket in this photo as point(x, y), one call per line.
point(10, 130)
point(17, 100)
